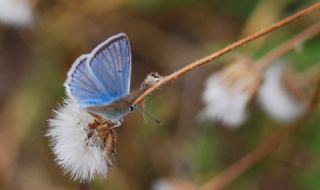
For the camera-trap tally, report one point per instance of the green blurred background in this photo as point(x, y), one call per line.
point(165, 35)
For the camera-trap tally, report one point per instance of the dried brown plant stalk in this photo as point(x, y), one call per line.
point(225, 50)
point(262, 150)
point(287, 45)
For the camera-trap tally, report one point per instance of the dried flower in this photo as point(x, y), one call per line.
point(276, 100)
point(16, 12)
point(172, 184)
point(81, 142)
point(228, 92)
point(151, 80)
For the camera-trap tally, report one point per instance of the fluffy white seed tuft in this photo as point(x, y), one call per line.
point(81, 156)
point(172, 184)
point(16, 12)
point(275, 99)
point(228, 92)
point(162, 184)
point(222, 103)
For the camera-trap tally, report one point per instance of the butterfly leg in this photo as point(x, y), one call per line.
point(110, 146)
point(117, 124)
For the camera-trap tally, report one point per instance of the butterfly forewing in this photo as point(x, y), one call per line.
point(111, 64)
point(103, 76)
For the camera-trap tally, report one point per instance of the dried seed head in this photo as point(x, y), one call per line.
point(151, 80)
point(82, 143)
point(277, 97)
point(172, 184)
point(241, 76)
point(228, 92)
point(16, 12)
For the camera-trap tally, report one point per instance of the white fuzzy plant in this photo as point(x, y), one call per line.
point(16, 12)
point(81, 155)
point(228, 92)
point(275, 99)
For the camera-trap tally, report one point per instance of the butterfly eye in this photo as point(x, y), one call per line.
point(131, 108)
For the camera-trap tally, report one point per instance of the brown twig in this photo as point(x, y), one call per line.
point(308, 76)
point(225, 50)
point(262, 150)
point(287, 45)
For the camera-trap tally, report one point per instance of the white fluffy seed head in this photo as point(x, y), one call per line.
point(79, 155)
point(275, 99)
point(172, 184)
point(228, 92)
point(16, 12)
point(162, 184)
point(221, 104)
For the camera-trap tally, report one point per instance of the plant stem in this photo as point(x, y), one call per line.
point(286, 46)
point(225, 50)
point(262, 150)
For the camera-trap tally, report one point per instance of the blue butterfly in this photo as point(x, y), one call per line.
point(100, 81)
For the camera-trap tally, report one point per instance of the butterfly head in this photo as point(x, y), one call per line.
point(132, 108)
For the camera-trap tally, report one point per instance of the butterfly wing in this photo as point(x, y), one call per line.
point(81, 84)
point(103, 76)
point(111, 64)
point(118, 108)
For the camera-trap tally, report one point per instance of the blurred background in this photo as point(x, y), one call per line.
point(39, 40)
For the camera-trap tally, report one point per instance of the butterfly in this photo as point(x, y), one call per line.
point(100, 81)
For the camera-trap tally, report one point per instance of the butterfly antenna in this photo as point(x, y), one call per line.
point(148, 115)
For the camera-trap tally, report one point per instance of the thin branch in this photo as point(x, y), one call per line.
point(308, 76)
point(287, 45)
point(262, 150)
point(225, 50)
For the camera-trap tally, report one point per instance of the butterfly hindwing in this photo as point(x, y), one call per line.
point(80, 84)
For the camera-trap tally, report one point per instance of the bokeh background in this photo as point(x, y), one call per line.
point(165, 35)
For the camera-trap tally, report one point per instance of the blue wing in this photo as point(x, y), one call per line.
point(111, 64)
point(102, 76)
point(80, 84)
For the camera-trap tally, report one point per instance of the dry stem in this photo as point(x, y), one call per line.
point(262, 150)
point(225, 50)
point(287, 45)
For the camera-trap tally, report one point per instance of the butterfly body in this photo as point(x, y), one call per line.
point(114, 111)
point(100, 81)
